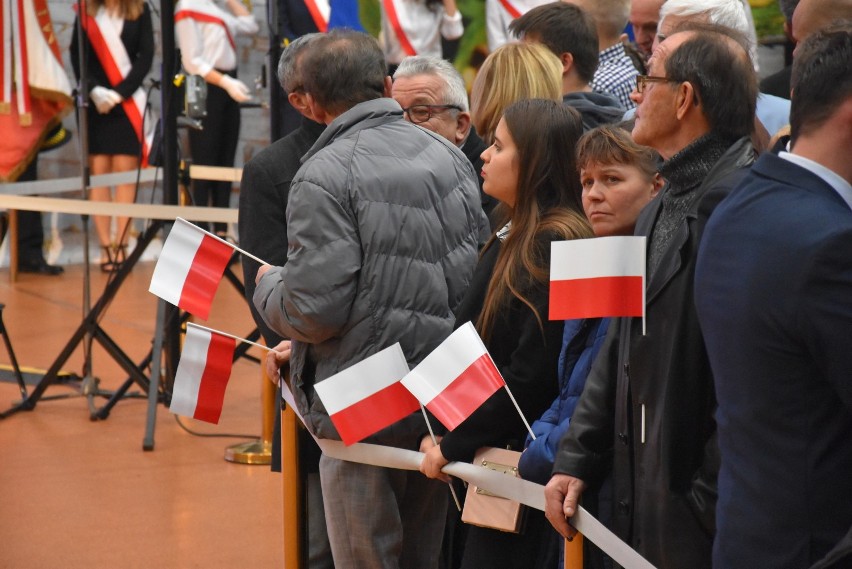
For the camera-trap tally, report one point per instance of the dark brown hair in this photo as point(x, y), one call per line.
point(547, 203)
point(612, 144)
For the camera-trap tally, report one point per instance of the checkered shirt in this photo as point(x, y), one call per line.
point(615, 75)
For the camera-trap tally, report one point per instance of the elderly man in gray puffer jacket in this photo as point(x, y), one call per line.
point(383, 223)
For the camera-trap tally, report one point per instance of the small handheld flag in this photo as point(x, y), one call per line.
point(456, 378)
point(202, 375)
point(367, 397)
point(190, 268)
point(601, 277)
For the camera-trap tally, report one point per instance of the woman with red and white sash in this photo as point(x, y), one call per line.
point(119, 50)
point(205, 35)
point(415, 27)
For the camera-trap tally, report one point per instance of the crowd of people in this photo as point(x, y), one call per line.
point(718, 436)
point(715, 433)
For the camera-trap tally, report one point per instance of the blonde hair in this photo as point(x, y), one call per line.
point(513, 72)
point(127, 9)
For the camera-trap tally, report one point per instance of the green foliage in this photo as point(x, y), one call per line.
point(768, 20)
point(473, 13)
point(371, 16)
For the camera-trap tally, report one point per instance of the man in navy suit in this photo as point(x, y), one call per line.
point(774, 297)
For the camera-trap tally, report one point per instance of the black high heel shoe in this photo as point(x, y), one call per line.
point(108, 264)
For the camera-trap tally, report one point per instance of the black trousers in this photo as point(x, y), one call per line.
point(30, 229)
point(216, 145)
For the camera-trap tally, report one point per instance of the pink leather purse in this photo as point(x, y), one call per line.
point(483, 509)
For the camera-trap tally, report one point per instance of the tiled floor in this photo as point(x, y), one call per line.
point(78, 493)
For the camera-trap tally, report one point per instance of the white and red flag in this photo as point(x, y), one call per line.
point(202, 374)
point(591, 278)
point(456, 378)
point(190, 268)
point(367, 397)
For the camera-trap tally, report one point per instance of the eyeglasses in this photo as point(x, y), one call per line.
point(643, 80)
point(422, 113)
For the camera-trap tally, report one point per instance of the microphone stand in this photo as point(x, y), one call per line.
point(90, 383)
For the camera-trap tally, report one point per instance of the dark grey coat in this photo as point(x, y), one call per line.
point(383, 221)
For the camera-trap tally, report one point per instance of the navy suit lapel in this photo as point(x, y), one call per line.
point(789, 174)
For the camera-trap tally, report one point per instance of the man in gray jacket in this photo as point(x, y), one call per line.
point(383, 223)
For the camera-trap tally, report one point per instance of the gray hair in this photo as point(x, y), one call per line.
point(455, 92)
point(287, 69)
point(730, 14)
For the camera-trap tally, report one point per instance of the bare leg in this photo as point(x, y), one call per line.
point(124, 193)
point(101, 164)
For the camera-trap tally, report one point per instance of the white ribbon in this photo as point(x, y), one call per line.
point(523, 491)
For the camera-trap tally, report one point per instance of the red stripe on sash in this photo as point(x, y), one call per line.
point(390, 10)
point(206, 18)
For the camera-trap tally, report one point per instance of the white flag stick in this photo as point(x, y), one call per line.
point(515, 403)
point(243, 340)
point(228, 243)
point(435, 442)
point(512, 397)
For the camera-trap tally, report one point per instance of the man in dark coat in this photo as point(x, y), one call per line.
point(264, 189)
point(774, 294)
point(647, 409)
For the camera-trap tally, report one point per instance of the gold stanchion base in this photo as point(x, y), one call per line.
point(257, 452)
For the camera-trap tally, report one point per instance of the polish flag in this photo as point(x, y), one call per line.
point(202, 374)
point(190, 267)
point(456, 378)
point(367, 397)
point(599, 277)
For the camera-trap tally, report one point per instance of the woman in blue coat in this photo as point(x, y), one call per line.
point(619, 178)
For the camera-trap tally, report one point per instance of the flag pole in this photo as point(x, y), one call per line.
point(229, 244)
point(515, 403)
point(243, 340)
point(435, 442)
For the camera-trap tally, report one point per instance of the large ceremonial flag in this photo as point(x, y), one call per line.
point(599, 277)
point(367, 397)
point(202, 374)
point(190, 267)
point(456, 378)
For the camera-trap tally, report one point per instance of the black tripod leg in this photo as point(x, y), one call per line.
point(15, 367)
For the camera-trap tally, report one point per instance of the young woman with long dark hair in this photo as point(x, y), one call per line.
point(530, 168)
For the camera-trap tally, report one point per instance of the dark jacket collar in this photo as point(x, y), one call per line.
point(738, 156)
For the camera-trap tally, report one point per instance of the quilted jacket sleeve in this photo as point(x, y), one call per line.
point(309, 299)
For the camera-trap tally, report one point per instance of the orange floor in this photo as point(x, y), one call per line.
point(81, 494)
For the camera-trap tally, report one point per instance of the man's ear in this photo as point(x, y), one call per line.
point(462, 127)
point(298, 102)
point(659, 182)
point(317, 112)
point(686, 98)
point(567, 62)
point(388, 85)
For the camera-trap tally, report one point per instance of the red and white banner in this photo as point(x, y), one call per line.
point(456, 378)
point(591, 278)
point(367, 397)
point(190, 268)
point(202, 374)
point(34, 89)
point(320, 11)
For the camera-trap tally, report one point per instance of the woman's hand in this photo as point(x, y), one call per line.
point(276, 358)
point(433, 461)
